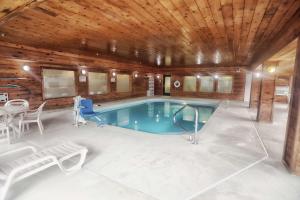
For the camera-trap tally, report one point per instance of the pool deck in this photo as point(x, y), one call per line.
point(228, 163)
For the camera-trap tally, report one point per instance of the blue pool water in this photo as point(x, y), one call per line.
point(155, 117)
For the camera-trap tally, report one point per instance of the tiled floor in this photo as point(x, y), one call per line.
point(126, 164)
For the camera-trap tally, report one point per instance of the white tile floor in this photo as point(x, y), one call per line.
point(126, 164)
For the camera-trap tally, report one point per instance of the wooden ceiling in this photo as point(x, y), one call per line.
point(164, 32)
point(285, 59)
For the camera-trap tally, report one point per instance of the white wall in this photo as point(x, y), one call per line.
point(248, 87)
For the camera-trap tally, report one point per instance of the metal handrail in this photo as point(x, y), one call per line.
point(174, 118)
point(194, 139)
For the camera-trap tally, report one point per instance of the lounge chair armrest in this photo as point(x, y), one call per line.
point(32, 148)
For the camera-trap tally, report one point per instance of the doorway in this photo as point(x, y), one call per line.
point(167, 85)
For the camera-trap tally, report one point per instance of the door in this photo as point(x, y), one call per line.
point(167, 84)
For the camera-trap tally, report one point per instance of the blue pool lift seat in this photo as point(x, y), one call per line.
point(86, 107)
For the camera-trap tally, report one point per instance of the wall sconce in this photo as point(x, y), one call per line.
point(257, 75)
point(83, 72)
point(271, 69)
point(216, 76)
point(136, 75)
point(158, 76)
point(198, 76)
point(114, 74)
point(26, 68)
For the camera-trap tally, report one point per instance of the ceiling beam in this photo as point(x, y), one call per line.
point(287, 34)
point(15, 8)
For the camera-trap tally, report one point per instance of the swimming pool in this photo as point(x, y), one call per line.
point(155, 117)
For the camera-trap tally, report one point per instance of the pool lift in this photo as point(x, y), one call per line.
point(193, 137)
point(84, 108)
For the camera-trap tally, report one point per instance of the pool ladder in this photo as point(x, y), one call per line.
point(194, 137)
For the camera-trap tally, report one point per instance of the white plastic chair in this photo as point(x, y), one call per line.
point(32, 116)
point(17, 104)
point(5, 125)
point(15, 170)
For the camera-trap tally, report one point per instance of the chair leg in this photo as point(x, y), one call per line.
point(8, 135)
point(40, 126)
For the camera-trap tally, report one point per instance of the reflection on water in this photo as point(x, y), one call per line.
point(156, 117)
point(123, 117)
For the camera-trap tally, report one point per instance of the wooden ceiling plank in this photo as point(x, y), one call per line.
point(18, 9)
point(249, 9)
point(256, 21)
point(283, 9)
point(238, 12)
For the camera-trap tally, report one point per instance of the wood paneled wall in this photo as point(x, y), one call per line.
point(239, 78)
point(282, 81)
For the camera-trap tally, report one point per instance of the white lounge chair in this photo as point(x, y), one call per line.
point(32, 116)
point(20, 168)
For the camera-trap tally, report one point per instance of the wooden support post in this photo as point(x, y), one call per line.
point(292, 142)
point(267, 90)
point(255, 90)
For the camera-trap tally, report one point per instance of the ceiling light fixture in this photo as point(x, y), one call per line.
point(199, 58)
point(158, 59)
point(136, 53)
point(217, 57)
point(113, 46)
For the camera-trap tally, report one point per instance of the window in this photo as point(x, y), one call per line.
point(282, 90)
point(189, 84)
point(58, 83)
point(206, 84)
point(225, 84)
point(97, 83)
point(123, 83)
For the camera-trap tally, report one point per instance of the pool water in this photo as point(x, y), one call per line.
point(155, 117)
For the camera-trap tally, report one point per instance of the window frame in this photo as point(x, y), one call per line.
point(232, 84)
point(184, 84)
point(62, 69)
point(213, 85)
point(130, 83)
point(107, 82)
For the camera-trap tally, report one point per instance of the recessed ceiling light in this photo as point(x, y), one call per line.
point(217, 57)
point(158, 59)
point(136, 53)
point(199, 58)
